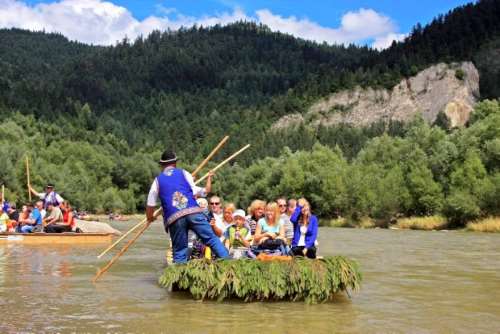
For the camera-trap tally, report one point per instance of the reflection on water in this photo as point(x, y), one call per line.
point(413, 282)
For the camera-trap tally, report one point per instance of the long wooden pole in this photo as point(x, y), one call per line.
point(28, 177)
point(157, 212)
point(207, 159)
point(144, 228)
point(223, 163)
point(123, 250)
point(3, 193)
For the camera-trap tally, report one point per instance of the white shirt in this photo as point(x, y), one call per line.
point(42, 196)
point(221, 225)
point(302, 239)
point(153, 192)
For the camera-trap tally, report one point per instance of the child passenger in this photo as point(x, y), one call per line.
point(238, 236)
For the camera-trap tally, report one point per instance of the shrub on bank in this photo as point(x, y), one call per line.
point(490, 224)
point(422, 223)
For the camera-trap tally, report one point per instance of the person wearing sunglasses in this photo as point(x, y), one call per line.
point(175, 189)
point(285, 219)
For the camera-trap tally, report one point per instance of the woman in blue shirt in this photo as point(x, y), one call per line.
point(305, 230)
point(270, 233)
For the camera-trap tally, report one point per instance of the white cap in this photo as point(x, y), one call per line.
point(239, 212)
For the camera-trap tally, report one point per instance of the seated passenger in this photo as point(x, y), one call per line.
point(13, 217)
point(255, 212)
point(4, 220)
point(202, 202)
point(68, 221)
point(285, 220)
point(237, 236)
point(55, 217)
point(305, 230)
point(221, 226)
point(39, 206)
point(34, 221)
point(270, 233)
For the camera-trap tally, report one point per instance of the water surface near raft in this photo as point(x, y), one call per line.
point(413, 281)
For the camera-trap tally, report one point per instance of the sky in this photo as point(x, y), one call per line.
point(364, 22)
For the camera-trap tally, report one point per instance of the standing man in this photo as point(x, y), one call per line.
point(176, 190)
point(49, 196)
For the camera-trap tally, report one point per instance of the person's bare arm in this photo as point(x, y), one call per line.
point(150, 214)
point(259, 236)
point(245, 242)
point(33, 191)
point(208, 185)
point(217, 231)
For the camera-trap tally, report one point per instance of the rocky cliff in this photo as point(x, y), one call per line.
point(449, 88)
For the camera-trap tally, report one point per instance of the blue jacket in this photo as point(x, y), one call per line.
point(312, 228)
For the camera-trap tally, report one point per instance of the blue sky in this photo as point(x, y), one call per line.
point(375, 23)
point(325, 12)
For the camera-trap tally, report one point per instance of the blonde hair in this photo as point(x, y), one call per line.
point(255, 205)
point(305, 204)
point(273, 206)
point(229, 206)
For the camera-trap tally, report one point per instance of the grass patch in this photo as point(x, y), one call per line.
point(423, 223)
point(313, 281)
point(339, 222)
point(366, 222)
point(490, 224)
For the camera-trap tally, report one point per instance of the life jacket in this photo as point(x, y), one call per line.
point(65, 219)
point(176, 196)
point(50, 198)
point(232, 235)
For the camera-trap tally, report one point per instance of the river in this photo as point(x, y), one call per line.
point(414, 282)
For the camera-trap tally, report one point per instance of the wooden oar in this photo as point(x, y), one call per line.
point(123, 250)
point(28, 177)
point(156, 213)
point(207, 159)
point(223, 163)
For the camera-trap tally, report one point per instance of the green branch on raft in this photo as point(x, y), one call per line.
point(313, 281)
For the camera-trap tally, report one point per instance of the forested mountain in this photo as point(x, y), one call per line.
point(95, 118)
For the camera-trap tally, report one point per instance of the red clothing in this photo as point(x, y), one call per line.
point(65, 219)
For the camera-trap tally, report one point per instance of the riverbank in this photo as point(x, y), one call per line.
point(431, 223)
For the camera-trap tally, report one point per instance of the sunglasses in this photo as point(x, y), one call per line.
point(282, 205)
point(214, 203)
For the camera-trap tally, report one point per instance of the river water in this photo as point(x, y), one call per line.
point(414, 282)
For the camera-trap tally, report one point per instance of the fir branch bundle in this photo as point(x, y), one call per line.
point(313, 281)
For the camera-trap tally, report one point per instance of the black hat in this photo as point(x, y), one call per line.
point(168, 157)
point(49, 185)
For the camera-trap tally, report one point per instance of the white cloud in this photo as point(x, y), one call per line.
point(102, 22)
point(355, 26)
point(384, 42)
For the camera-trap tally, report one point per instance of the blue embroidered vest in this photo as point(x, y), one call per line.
point(176, 196)
point(50, 199)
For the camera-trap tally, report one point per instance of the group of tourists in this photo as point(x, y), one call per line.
point(50, 214)
point(279, 227)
